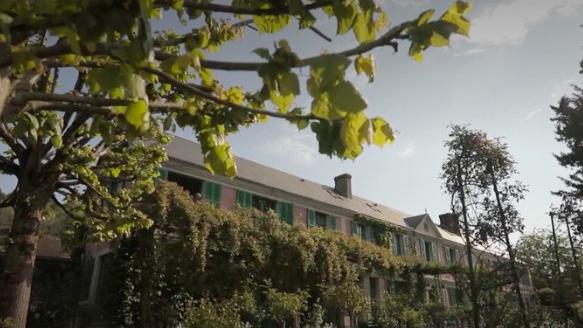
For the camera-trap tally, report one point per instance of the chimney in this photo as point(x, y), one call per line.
point(450, 222)
point(343, 185)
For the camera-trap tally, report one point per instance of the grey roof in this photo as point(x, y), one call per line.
point(413, 221)
point(188, 151)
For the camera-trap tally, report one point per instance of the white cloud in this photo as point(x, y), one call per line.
point(530, 115)
point(559, 90)
point(294, 146)
point(410, 3)
point(408, 151)
point(508, 21)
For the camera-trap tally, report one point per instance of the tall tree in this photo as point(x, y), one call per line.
point(463, 178)
point(134, 83)
point(499, 217)
point(568, 212)
point(568, 121)
point(557, 289)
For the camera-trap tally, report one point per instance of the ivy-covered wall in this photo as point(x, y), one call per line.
point(200, 266)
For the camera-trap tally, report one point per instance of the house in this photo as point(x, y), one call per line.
point(299, 201)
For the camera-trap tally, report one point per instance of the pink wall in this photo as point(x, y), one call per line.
point(300, 214)
point(347, 227)
point(227, 197)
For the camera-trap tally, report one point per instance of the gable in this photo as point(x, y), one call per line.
point(427, 227)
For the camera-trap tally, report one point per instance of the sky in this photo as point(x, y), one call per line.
point(521, 57)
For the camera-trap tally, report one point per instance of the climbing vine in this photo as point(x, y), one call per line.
point(196, 261)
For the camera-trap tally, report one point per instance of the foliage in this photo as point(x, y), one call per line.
point(212, 315)
point(568, 118)
point(265, 270)
point(137, 80)
point(480, 174)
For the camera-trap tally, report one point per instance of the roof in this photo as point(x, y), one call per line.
point(185, 150)
point(413, 221)
point(188, 151)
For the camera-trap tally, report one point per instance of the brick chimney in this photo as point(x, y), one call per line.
point(450, 222)
point(343, 185)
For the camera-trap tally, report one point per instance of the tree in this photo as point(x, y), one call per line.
point(568, 120)
point(135, 83)
point(557, 290)
point(463, 179)
point(499, 217)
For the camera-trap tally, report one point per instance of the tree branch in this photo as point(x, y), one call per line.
point(386, 39)
point(214, 7)
point(194, 90)
point(10, 140)
point(59, 49)
point(7, 166)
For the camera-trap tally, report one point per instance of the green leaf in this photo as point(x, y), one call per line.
point(381, 132)
point(280, 101)
point(364, 27)
point(219, 160)
point(263, 53)
point(415, 52)
point(298, 10)
point(327, 70)
point(350, 135)
point(345, 12)
point(345, 97)
point(288, 84)
point(137, 114)
point(364, 64)
point(56, 141)
point(270, 24)
point(424, 17)
point(454, 15)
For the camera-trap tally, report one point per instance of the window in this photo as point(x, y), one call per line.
point(426, 249)
point(374, 288)
point(450, 255)
point(453, 255)
point(243, 199)
point(211, 192)
point(396, 287)
point(398, 244)
point(451, 297)
point(322, 220)
point(285, 212)
point(208, 190)
point(192, 185)
point(263, 204)
point(454, 296)
point(358, 229)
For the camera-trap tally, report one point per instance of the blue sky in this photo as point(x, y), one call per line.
point(522, 55)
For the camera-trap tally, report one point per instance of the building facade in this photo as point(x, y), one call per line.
point(301, 202)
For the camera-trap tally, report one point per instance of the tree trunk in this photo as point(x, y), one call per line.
point(515, 276)
point(5, 88)
point(575, 258)
point(472, 275)
point(16, 278)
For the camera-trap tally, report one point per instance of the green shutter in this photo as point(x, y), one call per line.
point(311, 218)
point(422, 249)
point(354, 228)
point(243, 199)
point(163, 174)
point(211, 192)
point(330, 222)
point(368, 234)
point(285, 211)
point(394, 246)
